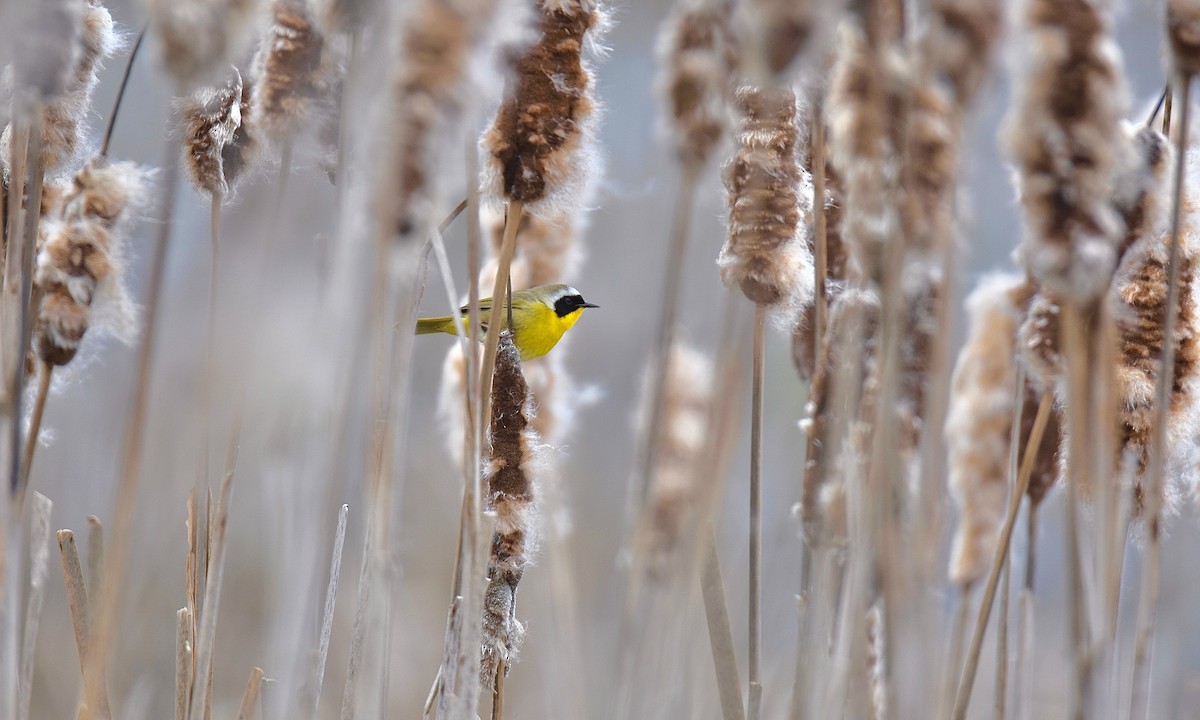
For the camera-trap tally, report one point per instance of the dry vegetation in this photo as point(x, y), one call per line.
point(228, 469)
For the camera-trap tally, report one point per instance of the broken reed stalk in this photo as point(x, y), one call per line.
point(39, 554)
point(754, 701)
point(1148, 595)
point(729, 687)
point(184, 641)
point(92, 667)
point(206, 639)
point(335, 571)
point(249, 705)
point(135, 431)
point(963, 700)
point(35, 421)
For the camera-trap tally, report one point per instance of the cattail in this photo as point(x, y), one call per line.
point(80, 261)
point(288, 68)
point(697, 57)
point(979, 423)
point(200, 38)
point(1183, 30)
point(540, 148)
point(766, 253)
point(1065, 137)
point(429, 92)
point(778, 32)
point(42, 46)
point(673, 493)
point(510, 471)
point(64, 118)
point(959, 42)
point(218, 142)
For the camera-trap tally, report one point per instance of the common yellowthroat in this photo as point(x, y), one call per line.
point(540, 317)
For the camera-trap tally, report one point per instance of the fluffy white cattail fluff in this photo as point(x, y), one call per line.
point(510, 470)
point(674, 490)
point(218, 140)
point(1065, 137)
point(64, 119)
point(766, 253)
point(979, 422)
point(696, 60)
point(429, 91)
point(288, 69)
point(200, 38)
point(80, 261)
point(540, 148)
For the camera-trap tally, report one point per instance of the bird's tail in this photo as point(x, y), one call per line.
point(426, 326)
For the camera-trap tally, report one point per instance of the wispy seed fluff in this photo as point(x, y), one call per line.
point(428, 94)
point(288, 69)
point(64, 121)
point(80, 260)
point(540, 149)
point(766, 253)
point(1183, 31)
point(697, 59)
point(513, 460)
point(1065, 137)
point(218, 142)
point(200, 38)
point(674, 492)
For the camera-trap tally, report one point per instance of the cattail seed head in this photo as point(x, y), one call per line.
point(288, 69)
point(697, 57)
point(42, 47)
point(1065, 136)
point(778, 31)
point(959, 42)
point(200, 38)
point(513, 460)
point(81, 259)
point(539, 149)
point(218, 143)
point(1183, 31)
point(673, 491)
point(766, 253)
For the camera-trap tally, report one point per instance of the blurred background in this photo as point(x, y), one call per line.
point(281, 358)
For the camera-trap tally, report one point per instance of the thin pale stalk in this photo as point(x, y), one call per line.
point(359, 631)
point(212, 590)
point(183, 662)
point(720, 633)
point(249, 707)
point(112, 117)
point(35, 421)
point(81, 620)
point(39, 554)
point(1002, 646)
point(958, 636)
point(1079, 412)
point(820, 231)
point(492, 341)
point(131, 463)
point(498, 691)
point(335, 571)
point(1155, 474)
point(32, 220)
point(754, 701)
point(965, 686)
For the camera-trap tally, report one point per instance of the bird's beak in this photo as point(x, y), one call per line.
point(588, 304)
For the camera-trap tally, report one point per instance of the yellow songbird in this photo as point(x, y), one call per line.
point(540, 317)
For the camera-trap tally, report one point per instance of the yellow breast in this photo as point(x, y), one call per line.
point(537, 329)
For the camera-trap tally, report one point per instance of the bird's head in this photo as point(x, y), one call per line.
point(565, 300)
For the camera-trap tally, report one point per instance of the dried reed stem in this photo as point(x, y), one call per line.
point(249, 707)
point(112, 117)
point(184, 647)
point(754, 701)
point(492, 341)
point(206, 639)
point(720, 635)
point(91, 666)
point(1148, 596)
point(1074, 332)
point(820, 240)
point(1002, 646)
point(35, 421)
point(963, 700)
point(335, 570)
point(39, 553)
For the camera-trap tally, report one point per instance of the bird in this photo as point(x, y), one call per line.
point(540, 317)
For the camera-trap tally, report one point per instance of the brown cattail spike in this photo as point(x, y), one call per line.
point(218, 143)
point(766, 254)
point(509, 471)
point(535, 143)
point(780, 31)
point(697, 59)
point(199, 38)
point(288, 70)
